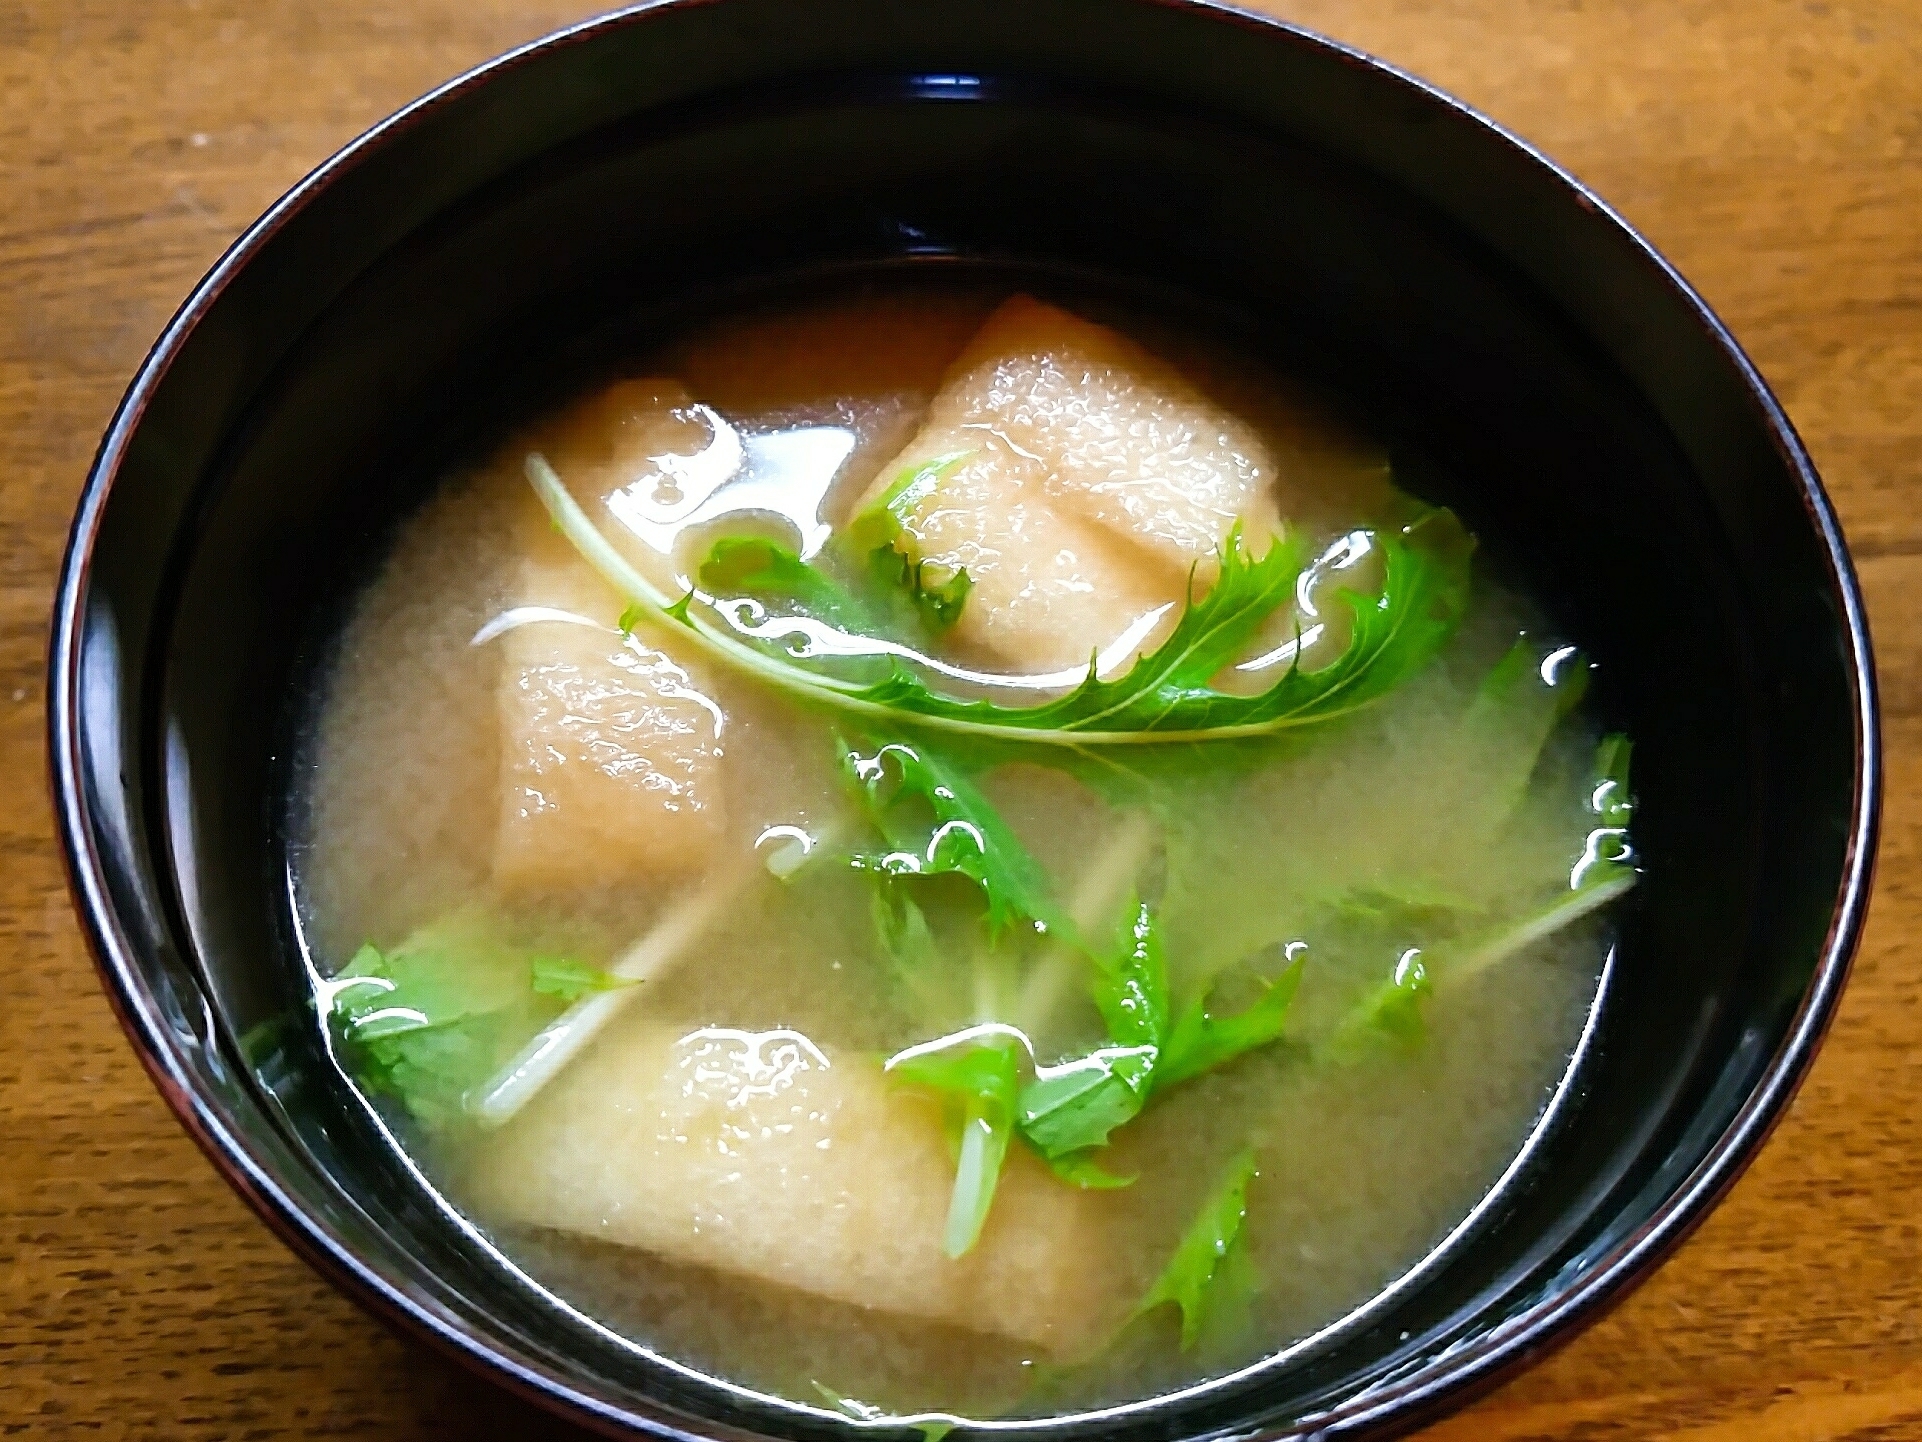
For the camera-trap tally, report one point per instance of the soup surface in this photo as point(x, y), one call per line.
point(935, 852)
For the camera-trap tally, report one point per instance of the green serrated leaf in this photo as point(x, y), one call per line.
point(902, 600)
point(1516, 709)
point(1166, 697)
point(937, 595)
point(1606, 870)
point(936, 822)
point(878, 536)
point(934, 987)
point(1131, 987)
point(903, 928)
point(1389, 1012)
point(1491, 753)
point(1608, 853)
point(569, 980)
point(439, 976)
point(1203, 1277)
point(435, 1015)
point(1600, 885)
point(1510, 675)
point(1610, 798)
point(931, 1428)
point(775, 575)
point(942, 602)
point(1201, 1041)
point(845, 1405)
point(1387, 898)
point(1075, 1106)
point(977, 1077)
point(882, 522)
point(1080, 1169)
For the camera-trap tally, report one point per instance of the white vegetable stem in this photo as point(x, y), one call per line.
point(600, 553)
point(834, 692)
point(1566, 912)
point(666, 944)
point(1102, 887)
point(975, 1175)
point(555, 1045)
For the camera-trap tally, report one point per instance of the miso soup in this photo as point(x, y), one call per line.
point(945, 853)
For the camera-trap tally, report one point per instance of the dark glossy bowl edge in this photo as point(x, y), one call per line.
point(1396, 1409)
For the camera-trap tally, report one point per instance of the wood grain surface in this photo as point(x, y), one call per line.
point(1773, 150)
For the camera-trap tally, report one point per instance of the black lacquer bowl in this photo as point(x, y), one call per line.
point(1570, 395)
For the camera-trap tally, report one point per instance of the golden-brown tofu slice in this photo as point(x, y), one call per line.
point(640, 456)
point(758, 1153)
point(1051, 587)
point(1081, 482)
point(1119, 435)
point(610, 748)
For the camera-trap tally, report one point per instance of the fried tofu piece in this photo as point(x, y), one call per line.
point(641, 456)
point(757, 1153)
point(1051, 587)
point(783, 362)
point(614, 436)
point(1081, 481)
point(1120, 436)
point(610, 748)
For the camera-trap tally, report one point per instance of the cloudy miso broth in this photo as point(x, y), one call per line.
point(957, 852)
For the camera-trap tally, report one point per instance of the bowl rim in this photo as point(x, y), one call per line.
point(1438, 1386)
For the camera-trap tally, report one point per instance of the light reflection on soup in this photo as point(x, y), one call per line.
point(830, 983)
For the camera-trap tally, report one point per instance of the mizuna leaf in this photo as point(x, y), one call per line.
point(771, 572)
point(936, 822)
point(883, 523)
point(1605, 871)
point(1131, 989)
point(430, 1018)
point(1165, 697)
point(1074, 1106)
point(1608, 852)
point(1390, 1012)
point(937, 595)
point(976, 1078)
point(933, 1427)
point(1202, 1041)
point(903, 928)
point(1204, 1276)
point(926, 977)
point(571, 980)
point(1079, 1169)
point(1515, 711)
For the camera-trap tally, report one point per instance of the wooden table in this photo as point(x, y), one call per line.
point(1772, 149)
